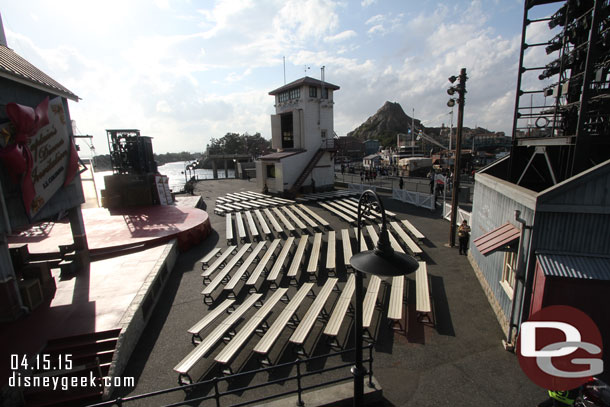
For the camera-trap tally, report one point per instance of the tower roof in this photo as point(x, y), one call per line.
point(304, 81)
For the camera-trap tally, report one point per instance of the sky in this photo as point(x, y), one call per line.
point(186, 71)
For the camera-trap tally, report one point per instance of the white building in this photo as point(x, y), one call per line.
point(302, 133)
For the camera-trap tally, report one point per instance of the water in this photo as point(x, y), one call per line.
point(175, 173)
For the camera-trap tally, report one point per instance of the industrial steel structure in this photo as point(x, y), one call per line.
point(562, 109)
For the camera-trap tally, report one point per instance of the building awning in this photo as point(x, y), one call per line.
point(571, 266)
point(278, 156)
point(497, 239)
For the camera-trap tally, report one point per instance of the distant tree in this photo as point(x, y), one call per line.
point(234, 143)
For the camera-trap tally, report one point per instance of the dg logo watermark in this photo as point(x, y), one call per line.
point(560, 348)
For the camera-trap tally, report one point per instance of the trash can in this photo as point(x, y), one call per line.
point(464, 194)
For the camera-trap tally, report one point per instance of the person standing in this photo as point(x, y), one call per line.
point(464, 236)
point(401, 183)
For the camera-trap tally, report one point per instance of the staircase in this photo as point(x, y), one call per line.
point(308, 169)
point(90, 354)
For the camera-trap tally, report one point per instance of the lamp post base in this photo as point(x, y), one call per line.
point(358, 374)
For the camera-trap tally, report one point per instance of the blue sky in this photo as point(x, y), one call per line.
point(184, 71)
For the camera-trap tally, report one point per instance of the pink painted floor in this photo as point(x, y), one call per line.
point(108, 229)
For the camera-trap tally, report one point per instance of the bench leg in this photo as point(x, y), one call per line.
point(294, 321)
point(396, 325)
point(263, 328)
point(196, 339)
point(208, 300)
point(264, 360)
point(227, 371)
point(285, 299)
point(300, 351)
point(424, 318)
point(182, 381)
point(334, 343)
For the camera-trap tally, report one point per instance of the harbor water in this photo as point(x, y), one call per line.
point(176, 172)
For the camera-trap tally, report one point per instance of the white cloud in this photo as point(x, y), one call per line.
point(366, 3)
point(342, 36)
point(376, 19)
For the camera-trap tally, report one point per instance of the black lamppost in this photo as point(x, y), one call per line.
point(460, 88)
point(382, 261)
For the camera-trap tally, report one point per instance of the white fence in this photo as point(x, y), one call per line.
point(361, 187)
point(414, 198)
point(461, 215)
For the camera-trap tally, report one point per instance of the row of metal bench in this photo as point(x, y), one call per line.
point(240, 201)
point(286, 219)
point(288, 317)
point(225, 265)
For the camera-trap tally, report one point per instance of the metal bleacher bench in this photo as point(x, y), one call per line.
point(317, 306)
point(279, 261)
point(186, 364)
point(258, 319)
point(223, 274)
point(295, 264)
point(262, 264)
point(274, 223)
point(347, 247)
point(196, 329)
point(331, 265)
point(398, 283)
point(251, 224)
point(287, 317)
point(414, 231)
point(338, 314)
point(314, 256)
point(262, 222)
point(229, 228)
point(243, 269)
point(289, 226)
point(219, 261)
point(423, 307)
point(241, 229)
point(314, 215)
point(413, 247)
point(306, 218)
point(206, 259)
point(294, 218)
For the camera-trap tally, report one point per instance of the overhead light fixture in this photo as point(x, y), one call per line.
point(451, 102)
point(452, 78)
point(451, 91)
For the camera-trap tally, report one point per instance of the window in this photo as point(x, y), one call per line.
point(313, 92)
point(287, 131)
point(324, 93)
point(289, 95)
point(508, 272)
point(271, 171)
point(323, 133)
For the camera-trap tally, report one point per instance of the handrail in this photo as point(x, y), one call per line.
point(217, 394)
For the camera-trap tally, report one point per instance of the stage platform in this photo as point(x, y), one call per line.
point(118, 292)
point(119, 229)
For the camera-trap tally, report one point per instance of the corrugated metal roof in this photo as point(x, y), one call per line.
point(16, 68)
point(497, 238)
point(570, 266)
point(306, 80)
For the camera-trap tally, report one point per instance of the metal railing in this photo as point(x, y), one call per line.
point(217, 394)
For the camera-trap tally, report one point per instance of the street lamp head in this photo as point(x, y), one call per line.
point(451, 91)
point(452, 78)
point(383, 261)
point(451, 102)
